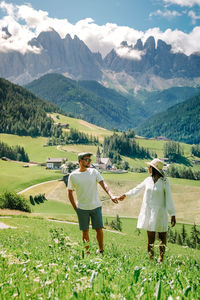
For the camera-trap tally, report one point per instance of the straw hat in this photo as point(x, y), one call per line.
point(157, 164)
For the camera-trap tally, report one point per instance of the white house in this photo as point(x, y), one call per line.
point(54, 163)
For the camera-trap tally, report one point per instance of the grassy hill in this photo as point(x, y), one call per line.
point(38, 152)
point(180, 122)
point(44, 258)
point(82, 126)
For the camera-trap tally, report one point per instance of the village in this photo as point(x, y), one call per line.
point(101, 164)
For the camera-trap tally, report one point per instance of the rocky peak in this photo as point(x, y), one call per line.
point(124, 44)
point(162, 46)
point(150, 44)
point(47, 38)
point(139, 45)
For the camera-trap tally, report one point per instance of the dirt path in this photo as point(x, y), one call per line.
point(67, 222)
point(4, 226)
point(30, 187)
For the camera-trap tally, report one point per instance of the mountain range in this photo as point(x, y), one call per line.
point(102, 106)
point(119, 90)
point(155, 68)
point(23, 113)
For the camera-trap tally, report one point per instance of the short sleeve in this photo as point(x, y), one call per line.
point(137, 190)
point(169, 201)
point(98, 176)
point(70, 184)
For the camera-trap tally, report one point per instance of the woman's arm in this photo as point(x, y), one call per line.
point(170, 203)
point(136, 191)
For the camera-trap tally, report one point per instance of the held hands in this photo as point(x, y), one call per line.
point(173, 221)
point(122, 197)
point(115, 199)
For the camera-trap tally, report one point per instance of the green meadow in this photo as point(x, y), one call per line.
point(43, 259)
point(82, 125)
point(14, 177)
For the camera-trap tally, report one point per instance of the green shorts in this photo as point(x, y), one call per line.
point(84, 217)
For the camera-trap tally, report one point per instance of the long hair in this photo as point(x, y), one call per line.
point(156, 173)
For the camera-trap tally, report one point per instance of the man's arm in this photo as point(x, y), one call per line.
point(107, 190)
point(71, 199)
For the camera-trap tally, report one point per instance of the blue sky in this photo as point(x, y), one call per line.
point(138, 14)
point(102, 24)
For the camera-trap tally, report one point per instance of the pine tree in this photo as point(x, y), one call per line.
point(183, 234)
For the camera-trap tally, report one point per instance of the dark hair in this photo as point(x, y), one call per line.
point(156, 173)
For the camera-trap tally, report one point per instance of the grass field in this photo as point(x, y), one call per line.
point(83, 126)
point(46, 260)
point(186, 193)
point(16, 178)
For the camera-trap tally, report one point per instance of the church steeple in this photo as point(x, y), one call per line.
point(98, 156)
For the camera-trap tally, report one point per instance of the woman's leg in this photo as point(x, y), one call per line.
point(151, 240)
point(163, 237)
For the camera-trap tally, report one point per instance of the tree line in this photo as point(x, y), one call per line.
point(124, 144)
point(191, 240)
point(14, 153)
point(183, 172)
point(74, 136)
point(195, 150)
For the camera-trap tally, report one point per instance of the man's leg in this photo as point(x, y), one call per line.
point(86, 238)
point(84, 219)
point(151, 240)
point(163, 237)
point(99, 235)
point(97, 224)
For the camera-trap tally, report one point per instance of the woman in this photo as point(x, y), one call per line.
point(157, 203)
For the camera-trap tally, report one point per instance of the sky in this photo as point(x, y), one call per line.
point(102, 24)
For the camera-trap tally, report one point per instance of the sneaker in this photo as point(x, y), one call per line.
point(100, 252)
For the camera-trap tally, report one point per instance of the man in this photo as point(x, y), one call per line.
point(84, 181)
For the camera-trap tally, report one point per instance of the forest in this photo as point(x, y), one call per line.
point(24, 114)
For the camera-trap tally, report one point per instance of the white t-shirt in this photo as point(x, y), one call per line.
point(85, 185)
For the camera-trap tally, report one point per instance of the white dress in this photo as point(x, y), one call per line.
point(157, 203)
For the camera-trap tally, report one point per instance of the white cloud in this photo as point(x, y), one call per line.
point(129, 53)
point(194, 17)
point(166, 13)
point(188, 3)
point(24, 23)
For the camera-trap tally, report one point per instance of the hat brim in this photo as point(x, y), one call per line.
point(151, 165)
point(84, 154)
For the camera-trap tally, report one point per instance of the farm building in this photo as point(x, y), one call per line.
point(54, 163)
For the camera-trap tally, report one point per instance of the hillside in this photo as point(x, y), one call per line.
point(159, 101)
point(91, 101)
point(23, 113)
point(71, 97)
point(179, 123)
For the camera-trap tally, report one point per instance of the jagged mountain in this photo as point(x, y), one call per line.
point(158, 67)
point(70, 56)
point(159, 61)
point(180, 122)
